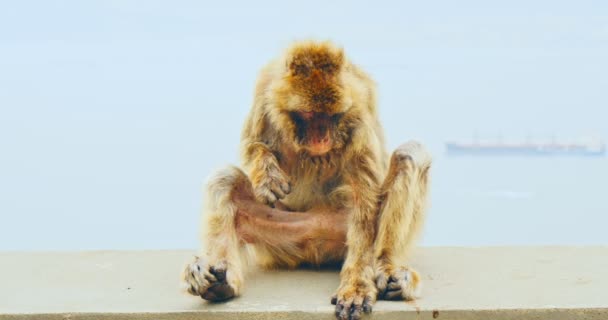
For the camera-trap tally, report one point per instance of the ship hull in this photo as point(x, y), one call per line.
point(532, 150)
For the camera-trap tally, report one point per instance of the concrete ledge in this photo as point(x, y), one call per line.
point(459, 283)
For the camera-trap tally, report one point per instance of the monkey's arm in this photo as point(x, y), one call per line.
point(270, 182)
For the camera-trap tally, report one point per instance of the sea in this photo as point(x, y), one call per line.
point(91, 201)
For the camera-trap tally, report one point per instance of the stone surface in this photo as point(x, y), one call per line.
point(459, 283)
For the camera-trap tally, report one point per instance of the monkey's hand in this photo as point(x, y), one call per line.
point(353, 298)
point(397, 283)
point(270, 183)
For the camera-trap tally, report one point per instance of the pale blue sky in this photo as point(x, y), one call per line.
point(112, 113)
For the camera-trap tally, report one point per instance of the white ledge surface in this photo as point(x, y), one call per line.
point(459, 283)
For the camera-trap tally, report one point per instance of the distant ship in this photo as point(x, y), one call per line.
point(527, 149)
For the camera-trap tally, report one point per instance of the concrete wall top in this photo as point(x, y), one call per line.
point(459, 283)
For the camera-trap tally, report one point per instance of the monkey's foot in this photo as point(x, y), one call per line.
point(209, 282)
point(401, 284)
point(352, 301)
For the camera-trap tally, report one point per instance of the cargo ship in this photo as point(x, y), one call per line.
point(527, 149)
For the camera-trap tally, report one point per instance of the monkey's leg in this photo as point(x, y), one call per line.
point(217, 274)
point(357, 291)
point(402, 212)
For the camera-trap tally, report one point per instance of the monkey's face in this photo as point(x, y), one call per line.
point(311, 98)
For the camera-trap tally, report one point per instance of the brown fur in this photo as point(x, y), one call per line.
point(315, 81)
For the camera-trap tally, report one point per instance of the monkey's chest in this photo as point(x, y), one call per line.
point(309, 191)
point(313, 179)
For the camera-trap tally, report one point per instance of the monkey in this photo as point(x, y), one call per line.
point(317, 186)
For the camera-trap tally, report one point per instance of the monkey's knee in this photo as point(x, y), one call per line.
point(226, 184)
point(409, 162)
point(411, 154)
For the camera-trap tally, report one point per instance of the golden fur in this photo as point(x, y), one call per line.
point(353, 178)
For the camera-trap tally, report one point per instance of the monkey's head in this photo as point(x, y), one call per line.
point(311, 99)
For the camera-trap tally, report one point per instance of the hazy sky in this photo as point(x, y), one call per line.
point(112, 113)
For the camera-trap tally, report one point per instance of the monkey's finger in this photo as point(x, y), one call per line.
point(199, 279)
point(210, 278)
point(367, 305)
point(276, 189)
point(192, 290)
point(270, 198)
point(286, 187)
point(356, 311)
point(381, 281)
point(393, 286)
point(265, 196)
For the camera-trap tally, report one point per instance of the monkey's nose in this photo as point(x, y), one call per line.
point(318, 140)
point(307, 114)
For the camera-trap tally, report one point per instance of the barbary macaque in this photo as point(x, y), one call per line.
point(318, 187)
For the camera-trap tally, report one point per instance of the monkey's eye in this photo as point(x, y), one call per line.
point(300, 69)
point(327, 67)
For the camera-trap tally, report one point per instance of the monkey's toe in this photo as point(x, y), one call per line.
point(352, 309)
point(352, 302)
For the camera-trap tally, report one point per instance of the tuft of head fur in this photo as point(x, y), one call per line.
point(312, 73)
